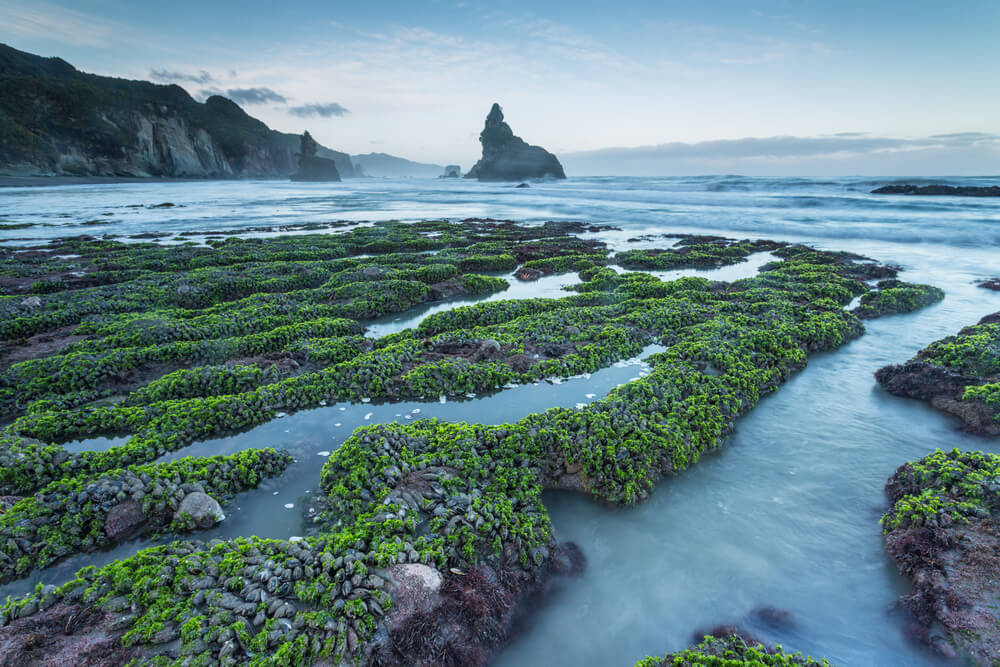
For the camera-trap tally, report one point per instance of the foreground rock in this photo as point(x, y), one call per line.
point(991, 284)
point(959, 374)
point(507, 157)
point(957, 191)
point(312, 168)
point(942, 532)
point(733, 650)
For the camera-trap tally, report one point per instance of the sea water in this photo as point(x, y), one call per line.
point(785, 515)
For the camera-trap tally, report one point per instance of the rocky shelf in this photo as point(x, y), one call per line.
point(959, 374)
point(928, 190)
point(430, 533)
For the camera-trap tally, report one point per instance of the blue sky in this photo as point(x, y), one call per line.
point(417, 78)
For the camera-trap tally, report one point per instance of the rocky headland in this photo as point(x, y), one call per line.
point(959, 374)
point(956, 191)
point(58, 121)
point(942, 531)
point(507, 157)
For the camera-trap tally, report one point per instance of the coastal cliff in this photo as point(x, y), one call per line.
point(507, 157)
point(56, 120)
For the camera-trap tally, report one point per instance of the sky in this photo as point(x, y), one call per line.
point(771, 87)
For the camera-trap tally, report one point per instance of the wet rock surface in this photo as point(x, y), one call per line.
point(942, 532)
point(441, 524)
point(730, 647)
point(958, 374)
point(957, 191)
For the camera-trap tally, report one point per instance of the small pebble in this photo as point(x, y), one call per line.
point(337, 424)
point(470, 395)
point(323, 453)
point(289, 506)
point(415, 411)
point(581, 406)
point(369, 416)
point(591, 395)
point(366, 400)
point(281, 414)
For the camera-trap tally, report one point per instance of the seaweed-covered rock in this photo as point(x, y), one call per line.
point(942, 531)
point(731, 651)
point(959, 374)
point(507, 157)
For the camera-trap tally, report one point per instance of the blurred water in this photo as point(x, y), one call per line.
point(785, 515)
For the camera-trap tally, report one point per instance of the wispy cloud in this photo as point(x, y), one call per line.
point(327, 110)
point(43, 20)
point(255, 96)
point(201, 77)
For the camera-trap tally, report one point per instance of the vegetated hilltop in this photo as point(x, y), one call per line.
point(57, 120)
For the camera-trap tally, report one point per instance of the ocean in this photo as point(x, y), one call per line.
point(784, 516)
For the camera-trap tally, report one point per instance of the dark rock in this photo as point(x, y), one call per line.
point(522, 185)
point(311, 167)
point(778, 619)
point(992, 318)
point(527, 274)
point(166, 204)
point(919, 379)
point(959, 191)
point(65, 635)
point(124, 520)
point(567, 560)
point(992, 283)
point(451, 171)
point(507, 157)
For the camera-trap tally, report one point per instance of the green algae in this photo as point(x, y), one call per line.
point(186, 343)
point(730, 652)
point(944, 487)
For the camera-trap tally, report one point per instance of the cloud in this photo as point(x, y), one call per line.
point(255, 96)
point(323, 110)
point(777, 154)
point(48, 21)
point(201, 77)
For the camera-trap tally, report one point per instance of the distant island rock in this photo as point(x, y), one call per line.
point(957, 191)
point(451, 171)
point(311, 167)
point(507, 157)
point(58, 121)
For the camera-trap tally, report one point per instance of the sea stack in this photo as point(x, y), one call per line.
point(312, 168)
point(507, 157)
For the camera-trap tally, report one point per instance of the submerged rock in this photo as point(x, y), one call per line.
point(507, 157)
point(959, 191)
point(311, 167)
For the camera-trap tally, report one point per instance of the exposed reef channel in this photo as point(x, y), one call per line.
point(426, 536)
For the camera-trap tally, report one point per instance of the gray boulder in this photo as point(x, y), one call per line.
point(507, 157)
point(203, 508)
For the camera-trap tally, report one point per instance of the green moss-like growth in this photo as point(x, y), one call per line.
point(941, 530)
point(894, 296)
point(731, 652)
point(959, 374)
point(944, 488)
point(185, 343)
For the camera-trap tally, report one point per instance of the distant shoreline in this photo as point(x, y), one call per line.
point(41, 181)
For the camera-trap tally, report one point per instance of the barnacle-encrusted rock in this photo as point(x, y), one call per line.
point(942, 530)
point(959, 374)
point(203, 509)
point(176, 344)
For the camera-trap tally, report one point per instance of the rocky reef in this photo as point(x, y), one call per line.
point(731, 651)
point(312, 168)
point(952, 190)
point(507, 157)
point(430, 535)
point(942, 531)
point(959, 374)
point(56, 120)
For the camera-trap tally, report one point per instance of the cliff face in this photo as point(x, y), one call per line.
point(57, 120)
point(507, 157)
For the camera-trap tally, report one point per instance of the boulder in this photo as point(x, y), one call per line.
point(203, 509)
point(123, 520)
point(507, 157)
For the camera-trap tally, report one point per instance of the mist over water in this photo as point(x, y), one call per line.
point(784, 515)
